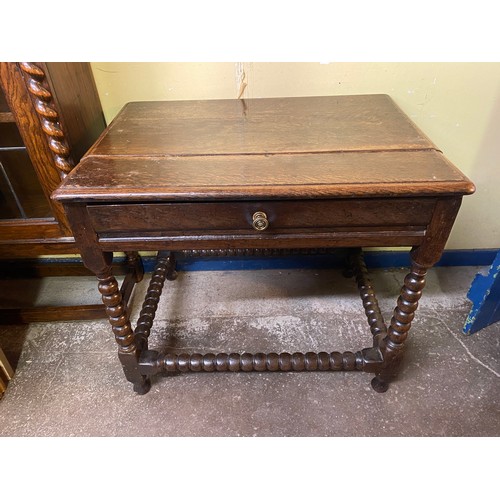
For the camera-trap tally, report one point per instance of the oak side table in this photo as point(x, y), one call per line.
point(287, 173)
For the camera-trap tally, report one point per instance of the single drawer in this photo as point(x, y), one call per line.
point(277, 217)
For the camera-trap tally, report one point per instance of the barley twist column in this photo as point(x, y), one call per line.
point(48, 114)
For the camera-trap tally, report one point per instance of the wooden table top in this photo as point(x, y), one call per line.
point(307, 147)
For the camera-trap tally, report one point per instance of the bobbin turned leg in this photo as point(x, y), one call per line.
point(368, 297)
point(423, 257)
point(119, 319)
point(392, 345)
point(165, 267)
point(349, 269)
point(134, 264)
point(99, 263)
point(135, 273)
point(171, 271)
point(115, 300)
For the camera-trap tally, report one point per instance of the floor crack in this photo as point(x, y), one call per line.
point(466, 348)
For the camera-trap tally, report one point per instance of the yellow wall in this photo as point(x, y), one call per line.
point(456, 104)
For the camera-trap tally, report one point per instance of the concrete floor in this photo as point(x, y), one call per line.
point(68, 381)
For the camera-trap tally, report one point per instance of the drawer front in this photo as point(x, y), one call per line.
point(281, 217)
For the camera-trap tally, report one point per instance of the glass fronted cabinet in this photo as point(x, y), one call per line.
point(50, 114)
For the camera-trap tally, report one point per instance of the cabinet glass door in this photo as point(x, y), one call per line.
point(21, 196)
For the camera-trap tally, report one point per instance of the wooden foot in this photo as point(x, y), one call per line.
point(379, 384)
point(142, 387)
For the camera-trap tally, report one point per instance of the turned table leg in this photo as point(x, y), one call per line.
point(99, 262)
point(392, 345)
point(118, 316)
point(164, 269)
point(423, 257)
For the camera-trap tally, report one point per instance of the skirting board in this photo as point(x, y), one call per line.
point(295, 260)
point(373, 259)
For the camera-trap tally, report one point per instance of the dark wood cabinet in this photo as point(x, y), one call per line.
point(50, 114)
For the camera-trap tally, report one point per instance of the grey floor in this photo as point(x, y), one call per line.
point(68, 381)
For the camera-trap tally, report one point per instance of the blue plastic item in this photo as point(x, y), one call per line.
point(485, 296)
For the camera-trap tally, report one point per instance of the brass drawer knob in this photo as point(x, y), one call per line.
point(259, 221)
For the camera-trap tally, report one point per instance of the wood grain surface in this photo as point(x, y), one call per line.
point(306, 147)
point(261, 176)
point(184, 218)
point(268, 125)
